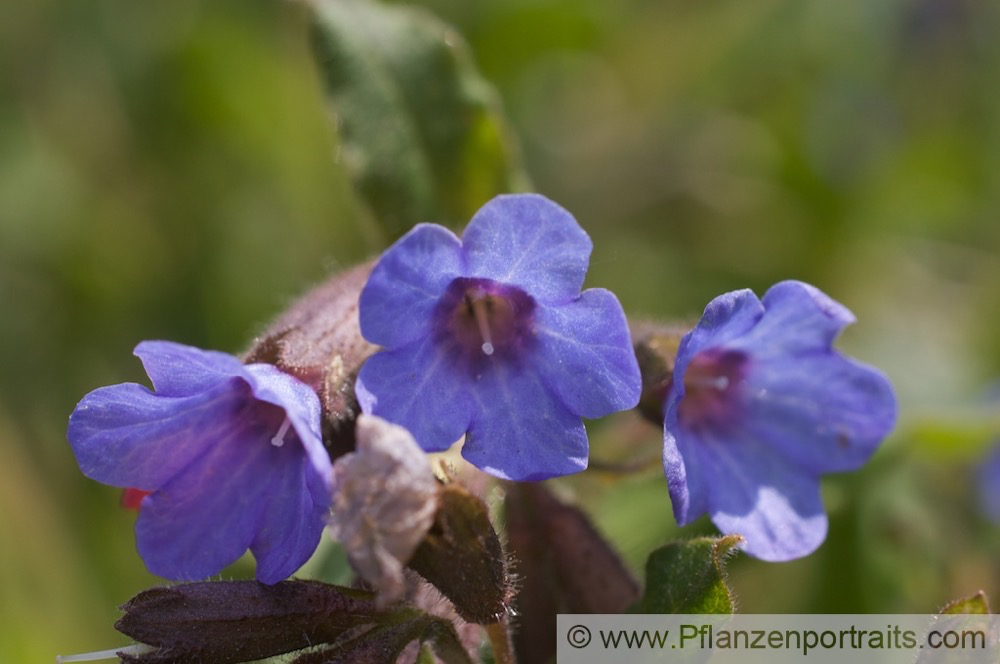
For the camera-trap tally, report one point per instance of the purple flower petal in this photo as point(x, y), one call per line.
point(826, 412)
point(771, 502)
point(528, 241)
point(799, 319)
point(726, 318)
point(207, 516)
point(686, 477)
point(302, 408)
point(397, 302)
point(585, 355)
point(419, 387)
point(179, 371)
point(521, 431)
point(126, 436)
point(290, 528)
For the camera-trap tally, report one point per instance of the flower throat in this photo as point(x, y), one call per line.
point(484, 318)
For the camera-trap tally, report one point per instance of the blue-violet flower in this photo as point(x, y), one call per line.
point(989, 484)
point(489, 336)
point(230, 453)
point(761, 405)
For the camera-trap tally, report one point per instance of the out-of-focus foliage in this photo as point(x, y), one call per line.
point(165, 172)
point(421, 131)
point(168, 170)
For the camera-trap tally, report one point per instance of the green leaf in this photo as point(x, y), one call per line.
point(958, 435)
point(971, 609)
point(689, 577)
point(977, 604)
point(421, 131)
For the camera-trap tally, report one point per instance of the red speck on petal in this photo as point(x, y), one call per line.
point(132, 498)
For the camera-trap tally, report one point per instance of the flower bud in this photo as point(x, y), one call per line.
point(238, 621)
point(462, 557)
point(656, 349)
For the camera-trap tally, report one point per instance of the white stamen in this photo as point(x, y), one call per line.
point(137, 649)
point(478, 310)
point(279, 438)
point(715, 383)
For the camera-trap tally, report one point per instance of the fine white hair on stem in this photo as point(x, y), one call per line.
point(137, 649)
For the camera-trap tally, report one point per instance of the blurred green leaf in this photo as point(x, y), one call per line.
point(689, 577)
point(961, 436)
point(421, 131)
point(330, 564)
point(977, 604)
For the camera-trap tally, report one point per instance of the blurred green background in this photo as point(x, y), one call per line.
point(168, 171)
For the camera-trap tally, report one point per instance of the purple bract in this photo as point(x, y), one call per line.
point(231, 454)
point(760, 407)
point(490, 336)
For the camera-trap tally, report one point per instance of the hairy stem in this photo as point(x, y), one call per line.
point(503, 652)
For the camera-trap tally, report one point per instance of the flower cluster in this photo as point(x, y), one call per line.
point(487, 337)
